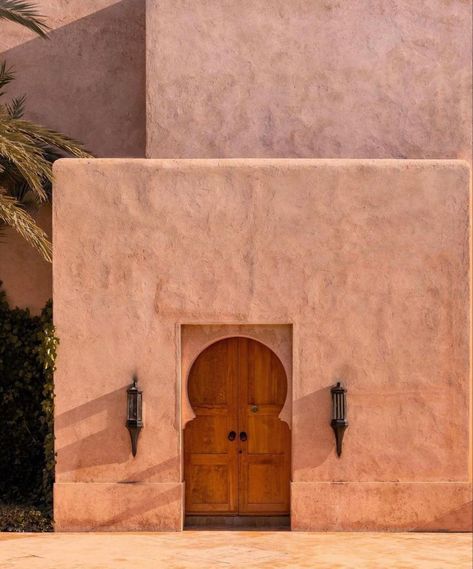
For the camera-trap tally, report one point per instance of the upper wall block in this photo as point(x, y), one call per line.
point(331, 79)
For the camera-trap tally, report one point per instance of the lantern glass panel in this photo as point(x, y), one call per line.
point(138, 406)
point(130, 406)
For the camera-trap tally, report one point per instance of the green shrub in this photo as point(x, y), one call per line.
point(27, 354)
point(47, 356)
point(23, 518)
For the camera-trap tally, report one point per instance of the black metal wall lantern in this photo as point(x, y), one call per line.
point(134, 417)
point(339, 414)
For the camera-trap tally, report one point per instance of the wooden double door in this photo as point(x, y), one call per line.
point(236, 449)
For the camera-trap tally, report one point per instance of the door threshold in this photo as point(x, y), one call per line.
point(237, 523)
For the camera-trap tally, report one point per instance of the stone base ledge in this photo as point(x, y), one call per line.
point(89, 506)
point(315, 506)
point(381, 506)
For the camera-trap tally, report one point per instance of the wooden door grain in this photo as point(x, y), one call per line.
point(264, 470)
point(237, 385)
point(210, 458)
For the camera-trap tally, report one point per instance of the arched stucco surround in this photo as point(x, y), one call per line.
point(196, 338)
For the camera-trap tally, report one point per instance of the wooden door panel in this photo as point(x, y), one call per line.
point(264, 485)
point(205, 435)
point(211, 485)
point(267, 384)
point(265, 458)
point(237, 385)
point(210, 458)
point(210, 377)
point(267, 434)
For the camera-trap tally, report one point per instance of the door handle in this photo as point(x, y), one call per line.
point(231, 436)
point(243, 436)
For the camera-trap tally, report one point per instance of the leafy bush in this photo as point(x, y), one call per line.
point(23, 518)
point(27, 354)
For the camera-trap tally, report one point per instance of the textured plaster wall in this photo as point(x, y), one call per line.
point(25, 276)
point(87, 80)
point(369, 262)
point(358, 79)
point(305, 78)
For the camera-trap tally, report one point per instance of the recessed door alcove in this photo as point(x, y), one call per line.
point(237, 456)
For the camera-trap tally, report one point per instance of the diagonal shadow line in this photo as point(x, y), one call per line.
point(309, 412)
point(88, 451)
point(456, 519)
point(168, 500)
point(89, 79)
point(171, 464)
point(144, 505)
point(94, 406)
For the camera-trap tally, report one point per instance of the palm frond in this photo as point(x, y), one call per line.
point(6, 75)
point(15, 185)
point(24, 13)
point(27, 152)
point(20, 150)
point(49, 137)
point(12, 214)
point(16, 107)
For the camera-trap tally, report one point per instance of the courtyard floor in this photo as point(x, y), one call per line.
point(245, 549)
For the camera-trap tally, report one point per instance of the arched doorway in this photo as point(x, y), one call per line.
point(236, 449)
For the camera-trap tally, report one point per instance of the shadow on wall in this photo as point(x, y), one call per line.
point(455, 520)
point(88, 80)
point(142, 506)
point(309, 412)
point(90, 451)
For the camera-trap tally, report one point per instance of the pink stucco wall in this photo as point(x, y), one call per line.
point(269, 78)
point(305, 78)
point(87, 80)
point(25, 276)
point(368, 261)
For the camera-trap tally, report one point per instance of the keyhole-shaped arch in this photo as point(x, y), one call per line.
point(265, 373)
point(237, 449)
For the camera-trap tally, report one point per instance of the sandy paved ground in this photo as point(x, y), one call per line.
point(219, 549)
